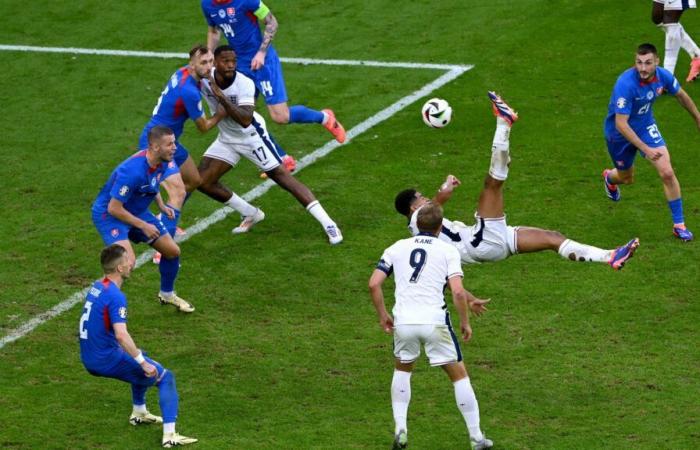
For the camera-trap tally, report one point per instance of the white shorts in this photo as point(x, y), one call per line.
point(488, 240)
point(441, 344)
point(677, 5)
point(258, 150)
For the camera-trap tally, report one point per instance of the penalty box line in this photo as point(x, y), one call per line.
point(452, 73)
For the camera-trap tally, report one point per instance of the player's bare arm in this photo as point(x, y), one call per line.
point(213, 37)
point(460, 299)
point(205, 123)
point(117, 210)
point(386, 322)
point(622, 125)
point(241, 114)
point(127, 343)
point(687, 103)
point(271, 26)
point(444, 193)
point(165, 209)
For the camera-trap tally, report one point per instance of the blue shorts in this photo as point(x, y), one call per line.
point(269, 79)
point(623, 153)
point(127, 369)
point(181, 152)
point(113, 230)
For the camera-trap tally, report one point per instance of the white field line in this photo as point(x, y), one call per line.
point(220, 214)
point(167, 55)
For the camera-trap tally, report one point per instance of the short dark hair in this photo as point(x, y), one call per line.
point(158, 132)
point(198, 49)
point(429, 217)
point(404, 200)
point(223, 48)
point(647, 48)
point(110, 257)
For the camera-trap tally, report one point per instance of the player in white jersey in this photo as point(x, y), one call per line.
point(422, 266)
point(666, 14)
point(491, 239)
point(243, 133)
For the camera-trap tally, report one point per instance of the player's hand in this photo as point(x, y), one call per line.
point(653, 154)
point(168, 211)
point(450, 183)
point(478, 306)
point(149, 369)
point(215, 89)
point(258, 61)
point(466, 332)
point(387, 324)
point(151, 231)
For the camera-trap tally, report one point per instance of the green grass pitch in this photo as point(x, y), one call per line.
point(284, 350)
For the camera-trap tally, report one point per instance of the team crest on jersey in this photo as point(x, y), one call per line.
point(122, 312)
point(123, 190)
point(650, 95)
point(621, 102)
point(114, 232)
point(171, 165)
point(153, 182)
point(231, 11)
point(222, 13)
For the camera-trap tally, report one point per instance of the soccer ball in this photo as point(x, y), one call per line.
point(437, 113)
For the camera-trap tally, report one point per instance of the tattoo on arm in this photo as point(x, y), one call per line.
point(269, 33)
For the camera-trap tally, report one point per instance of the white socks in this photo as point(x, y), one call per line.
point(315, 209)
point(168, 428)
point(575, 251)
point(689, 44)
point(468, 406)
point(400, 398)
point(240, 205)
point(674, 33)
point(499, 150)
point(141, 409)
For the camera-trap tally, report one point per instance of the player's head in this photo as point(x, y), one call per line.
point(201, 61)
point(646, 60)
point(225, 61)
point(408, 201)
point(161, 141)
point(115, 260)
point(429, 218)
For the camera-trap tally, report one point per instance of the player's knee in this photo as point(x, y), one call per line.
point(280, 116)
point(667, 175)
point(168, 378)
point(193, 183)
point(172, 251)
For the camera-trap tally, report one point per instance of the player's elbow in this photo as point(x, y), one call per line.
point(121, 335)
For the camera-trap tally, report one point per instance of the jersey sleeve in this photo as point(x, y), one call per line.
point(247, 93)
point(454, 263)
point(193, 103)
point(124, 185)
point(385, 263)
point(171, 169)
point(670, 82)
point(623, 96)
point(261, 10)
point(207, 17)
point(117, 308)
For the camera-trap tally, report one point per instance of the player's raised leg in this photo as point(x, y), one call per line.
point(303, 194)
point(281, 113)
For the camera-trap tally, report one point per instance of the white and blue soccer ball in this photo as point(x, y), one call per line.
point(437, 113)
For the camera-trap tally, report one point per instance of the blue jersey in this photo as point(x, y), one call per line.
point(179, 101)
point(237, 21)
point(134, 183)
point(635, 97)
point(105, 305)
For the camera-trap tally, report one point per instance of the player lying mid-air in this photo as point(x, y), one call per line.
point(490, 238)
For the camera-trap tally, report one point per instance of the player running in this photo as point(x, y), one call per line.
point(630, 127)
point(423, 265)
point(667, 14)
point(120, 211)
point(491, 239)
point(243, 133)
point(258, 60)
point(107, 349)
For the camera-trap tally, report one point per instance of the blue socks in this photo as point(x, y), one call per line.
point(171, 224)
point(676, 207)
point(302, 114)
point(167, 397)
point(138, 394)
point(168, 272)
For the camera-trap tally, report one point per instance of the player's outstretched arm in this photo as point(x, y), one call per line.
point(446, 189)
point(213, 37)
point(623, 126)
point(687, 103)
point(375, 290)
point(127, 343)
point(205, 123)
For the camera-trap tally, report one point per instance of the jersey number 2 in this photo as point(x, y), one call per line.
point(417, 261)
point(84, 318)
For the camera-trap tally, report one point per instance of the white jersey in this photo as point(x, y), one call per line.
point(422, 265)
point(487, 241)
point(676, 5)
point(241, 92)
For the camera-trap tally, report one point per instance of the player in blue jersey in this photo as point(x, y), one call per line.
point(120, 211)
point(630, 127)
point(107, 349)
point(257, 59)
point(180, 101)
